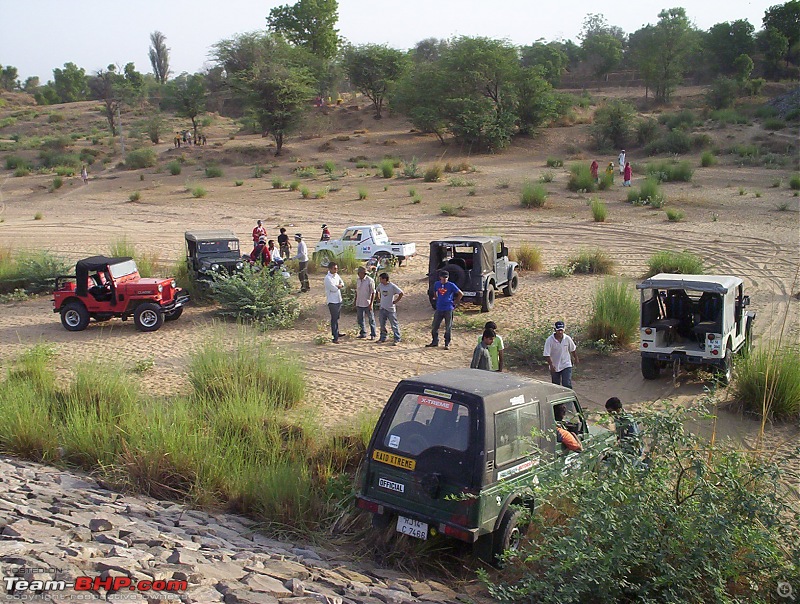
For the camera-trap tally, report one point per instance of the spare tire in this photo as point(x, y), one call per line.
point(457, 275)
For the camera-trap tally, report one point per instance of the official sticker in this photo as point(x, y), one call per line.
point(394, 441)
point(394, 460)
point(525, 465)
point(517, 400)
point(435, 403)
point(391, 485)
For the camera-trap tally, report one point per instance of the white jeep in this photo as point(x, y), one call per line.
point(693, 320)
point(369, 241)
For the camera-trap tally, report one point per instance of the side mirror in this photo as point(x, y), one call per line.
point(745, 301)
point(504, 251)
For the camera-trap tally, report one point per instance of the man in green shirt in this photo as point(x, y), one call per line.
point(495, 349)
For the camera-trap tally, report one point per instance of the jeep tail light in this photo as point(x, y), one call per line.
point(644, 344)
point(370, 506)
point(648, 331)
point(715, 352)
point(710, 336)
point(458, 533)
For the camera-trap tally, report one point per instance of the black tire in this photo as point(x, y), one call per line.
point(74, 316)
point(511, 287)
point(148, 317)
point(457, 275)
point(173, 315)
point(650, 368)
point(724, 372)
point(488, 298)
point(748, 339)
point(508, 535)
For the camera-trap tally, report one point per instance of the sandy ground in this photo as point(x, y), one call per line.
point(738, 234)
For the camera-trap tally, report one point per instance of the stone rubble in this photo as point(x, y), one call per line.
point(56, 525)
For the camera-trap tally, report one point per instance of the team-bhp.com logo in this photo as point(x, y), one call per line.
point(26, 589)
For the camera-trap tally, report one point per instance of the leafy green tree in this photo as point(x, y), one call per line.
point(107, 86)
point(603, 53)
point(373, 69)
point(549, 57)
point(726, 41)
point(46, 95)
point(428, 50)
point(31, 84)
point(159, 56)
point(537, 103)
point(271, 79)
point(70, 83)
point(310, 24)
point(613, 124)
point(597, 25)
point(661, 50)
point(723, 92)
point(8, 77)
point(775, 46)
point(421, 96)
point(743, 67)
point(134, 83)
point(186, 94)
point(786, 19)
point(697, 522)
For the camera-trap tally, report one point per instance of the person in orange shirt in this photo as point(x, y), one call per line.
point(259, 232)
point(564, 436)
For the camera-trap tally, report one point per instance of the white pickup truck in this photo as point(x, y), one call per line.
point(369, 241)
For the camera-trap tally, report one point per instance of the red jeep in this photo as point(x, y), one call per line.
point(102, 288)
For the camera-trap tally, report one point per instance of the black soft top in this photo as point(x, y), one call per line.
point(497, 390)
point(88, 265)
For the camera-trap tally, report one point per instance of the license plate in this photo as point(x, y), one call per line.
point(413, 528)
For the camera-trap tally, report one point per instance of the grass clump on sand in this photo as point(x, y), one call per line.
point(669, 261)
point(33, 271)
point(532, 195)
point(433, 174)
point(580, 178)
point(528, 257)
point(615, 313)
point(670, 171)
point(227, 443)
point(599, 210)
point(648, 194)
point(767, 382)
point(591, 261)
point(524, 347)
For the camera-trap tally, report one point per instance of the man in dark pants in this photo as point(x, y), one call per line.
point(333, 296)
point(447, 296)
point(302, 258)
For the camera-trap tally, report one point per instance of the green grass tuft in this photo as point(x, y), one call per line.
point(668, 261)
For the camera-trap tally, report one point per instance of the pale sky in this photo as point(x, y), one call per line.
point(40, 35)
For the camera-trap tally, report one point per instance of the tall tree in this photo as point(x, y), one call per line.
point(596, 25)
point(786, 19)
point(310, 24)
point(373, 69)
point(106, 86)
point(70, 83)
point(603, 53)
point(775, 46)
point(159, 56)
point(549, 57)
point(726, 41)
point(8, 77)
point(187, 96)
point(31, 84)
point(272, 80)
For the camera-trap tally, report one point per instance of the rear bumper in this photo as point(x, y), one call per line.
point(466, 534)
point(684, 358)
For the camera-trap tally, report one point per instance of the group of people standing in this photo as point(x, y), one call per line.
point(625, 169)
point(185, 138)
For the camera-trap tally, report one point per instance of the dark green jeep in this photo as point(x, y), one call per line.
point(452, 454)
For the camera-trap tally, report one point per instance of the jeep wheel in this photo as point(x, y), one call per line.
point(457, 275)
point(511, 287)
point(488, 298)
point(747, 348)
point(650, 368)
point(74, 316)
point(148, 317)
point(508, 535)
point(724, 372)
point(173, 314)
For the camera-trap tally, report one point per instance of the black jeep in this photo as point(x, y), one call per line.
point(477, 265)
point(209, 252)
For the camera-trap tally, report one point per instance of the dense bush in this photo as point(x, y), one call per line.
point(668, 261)
point(648, 194)
point(670, 171)
point(257, 297)
point(599, 210)
point(580, 178)
point(533, 195)
point(646, 131)
point(624, 531)
point(433, 174)
point(174, 167)
point(729, 116)
point(613, 124)
point(53, 158)
point(591, 261)
point(35, 272)
point(528, 257)
point(682, 120)
point(767, 382)
point(140, 158)
point(708, 159)
point(675, 141)
point(386, 168)
point(13, 162)
point(794, 182)
point(722, 93)
point(214, 172)
point(615, 313)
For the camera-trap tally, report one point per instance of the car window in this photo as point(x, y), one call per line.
point(216, 247)
point(421, 422)
point(512, 432)
point(122, 269)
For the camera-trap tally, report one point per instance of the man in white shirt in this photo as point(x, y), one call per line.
point(622, 161)
point(302, 258)
point(365, 296)
point(333, 294)
point(561, 353)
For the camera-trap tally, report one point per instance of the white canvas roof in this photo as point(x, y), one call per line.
point(719, 284)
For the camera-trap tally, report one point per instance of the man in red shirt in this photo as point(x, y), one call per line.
point(259, 232)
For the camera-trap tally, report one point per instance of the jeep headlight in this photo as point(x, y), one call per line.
point(160, 288)
point(215, 267)
point(172, 284)
point(239, 266)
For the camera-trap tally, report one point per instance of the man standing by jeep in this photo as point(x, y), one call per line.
point(284, 245)
point(446, 296)
point(365, 296)
point(258, 233)
point(561, 353)
point(333, 295)
point(302, 258)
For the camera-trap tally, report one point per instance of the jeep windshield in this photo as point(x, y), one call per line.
point(421, 422)
point(122, 269)
point(218, 247)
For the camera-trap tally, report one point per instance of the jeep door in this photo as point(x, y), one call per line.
point(424, 456)
point(500, 264)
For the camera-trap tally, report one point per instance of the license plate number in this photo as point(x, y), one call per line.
point(413, 528)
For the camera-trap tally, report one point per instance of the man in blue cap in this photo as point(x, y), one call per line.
point(561, 354)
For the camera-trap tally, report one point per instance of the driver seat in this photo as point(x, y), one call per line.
point(99, 291)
